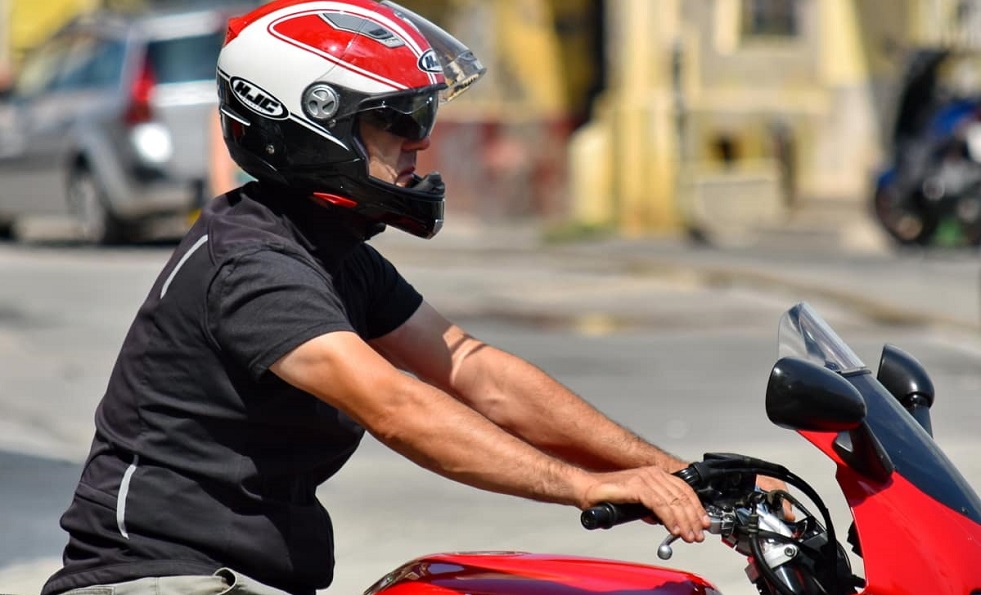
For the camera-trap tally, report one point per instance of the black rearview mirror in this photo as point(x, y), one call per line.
point(802, 395)
point(907, 380)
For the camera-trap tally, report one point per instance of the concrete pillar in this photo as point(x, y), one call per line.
point(6, 44)
point(644, 144)
point(529, 49)
point(847, 149)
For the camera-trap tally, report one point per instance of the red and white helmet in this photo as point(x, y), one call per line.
point(294, 78)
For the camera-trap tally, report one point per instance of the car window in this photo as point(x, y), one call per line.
point(184, 59)
point(41, 68)
point(93, 63)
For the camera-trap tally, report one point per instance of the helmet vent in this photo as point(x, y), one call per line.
point(320, 102)
point(361, 26)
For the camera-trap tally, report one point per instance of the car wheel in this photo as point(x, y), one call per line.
point(93, 220)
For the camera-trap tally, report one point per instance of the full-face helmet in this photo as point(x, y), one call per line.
point(295, 77)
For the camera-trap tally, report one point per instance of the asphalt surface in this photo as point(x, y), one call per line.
point(934, 288)
point(591, 287)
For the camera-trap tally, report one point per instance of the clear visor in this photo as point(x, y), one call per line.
point(460, 67)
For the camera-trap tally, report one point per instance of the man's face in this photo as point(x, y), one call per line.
point(391, 158)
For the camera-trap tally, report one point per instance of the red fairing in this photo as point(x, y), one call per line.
point(910, 542)
point(527, 574)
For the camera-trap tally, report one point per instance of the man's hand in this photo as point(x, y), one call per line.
point(670, 499)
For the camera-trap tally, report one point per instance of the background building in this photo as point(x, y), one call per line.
point(652, 116)
point(749, 113)
point(24, 24)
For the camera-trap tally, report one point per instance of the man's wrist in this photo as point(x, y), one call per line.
point(581, 483)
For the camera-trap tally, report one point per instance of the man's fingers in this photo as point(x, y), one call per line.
point(676, 505)
point(671, 500)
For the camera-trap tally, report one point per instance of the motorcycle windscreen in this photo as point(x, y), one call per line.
point(919, 524)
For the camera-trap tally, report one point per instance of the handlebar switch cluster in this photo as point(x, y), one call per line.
point(721, 521)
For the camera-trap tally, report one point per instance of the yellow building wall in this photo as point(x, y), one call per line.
point(751, 128)
point(31, 21)
point(501, 146)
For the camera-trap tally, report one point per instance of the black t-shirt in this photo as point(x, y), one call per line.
point(202, 458)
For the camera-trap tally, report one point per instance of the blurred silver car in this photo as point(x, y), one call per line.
point(110, 121)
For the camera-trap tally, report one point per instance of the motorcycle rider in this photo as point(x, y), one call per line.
point(275, 336)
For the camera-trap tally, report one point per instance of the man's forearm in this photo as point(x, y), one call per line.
point(528, 403)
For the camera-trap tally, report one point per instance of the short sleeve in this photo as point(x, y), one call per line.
point(391, 299)
point(263, 304)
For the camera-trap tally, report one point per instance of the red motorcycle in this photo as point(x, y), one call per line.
point(916, 520)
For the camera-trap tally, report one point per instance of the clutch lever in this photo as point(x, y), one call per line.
point(721, 522)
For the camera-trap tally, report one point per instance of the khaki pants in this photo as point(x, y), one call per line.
point(222, 582)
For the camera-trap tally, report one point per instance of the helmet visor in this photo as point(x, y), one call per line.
point(409, 116)
point(460, 67)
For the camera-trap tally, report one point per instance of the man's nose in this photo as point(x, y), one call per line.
point(417, 144)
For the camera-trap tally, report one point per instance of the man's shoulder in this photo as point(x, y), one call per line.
point(240, 227)
point(367, 257)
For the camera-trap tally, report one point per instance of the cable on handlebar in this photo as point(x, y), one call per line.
point(753, 531)
point(719, 467)
point(715, 465)
point(829, 551)
point(721, 476)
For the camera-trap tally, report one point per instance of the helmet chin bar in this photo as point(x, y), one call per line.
point(416, 209)
point(431, 183)
point(421, 205)
point(422, 214)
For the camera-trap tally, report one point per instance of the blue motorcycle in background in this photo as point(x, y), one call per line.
point(932, 185)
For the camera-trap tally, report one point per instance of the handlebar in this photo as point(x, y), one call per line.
point(792, 558)
point(609, 514)
point(718, 479)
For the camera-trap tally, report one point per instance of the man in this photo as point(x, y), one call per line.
point(276, 336)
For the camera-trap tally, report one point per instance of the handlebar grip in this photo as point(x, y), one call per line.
point(691, 475)
point(608, 514)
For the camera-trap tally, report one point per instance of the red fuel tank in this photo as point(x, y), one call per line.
point(517, 573)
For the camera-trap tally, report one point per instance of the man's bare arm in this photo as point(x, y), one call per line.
point(439, 433)
point(518, 396)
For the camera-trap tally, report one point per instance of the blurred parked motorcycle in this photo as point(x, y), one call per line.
point(934, 178)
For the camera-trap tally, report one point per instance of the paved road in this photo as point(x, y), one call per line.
point(670, 339)
point(936, 288)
